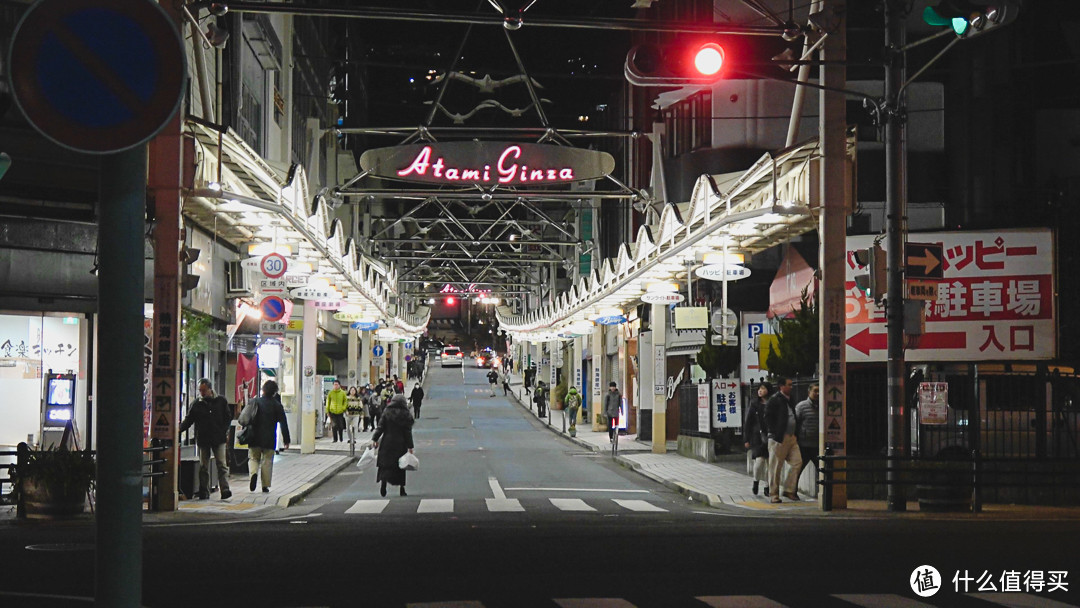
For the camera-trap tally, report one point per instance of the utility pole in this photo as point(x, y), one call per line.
point(893, 115)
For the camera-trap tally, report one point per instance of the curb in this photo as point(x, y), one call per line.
point(291, 499)
point(711, 500)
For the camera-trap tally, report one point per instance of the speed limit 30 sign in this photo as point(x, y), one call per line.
point(273, 265)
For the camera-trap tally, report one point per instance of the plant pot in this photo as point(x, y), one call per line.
point(52, 501)
point(558, 405)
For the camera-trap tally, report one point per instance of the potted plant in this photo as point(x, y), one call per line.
point(558, 396)
point(53, 483)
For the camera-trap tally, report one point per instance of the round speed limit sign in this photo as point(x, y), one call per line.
point(273, 265)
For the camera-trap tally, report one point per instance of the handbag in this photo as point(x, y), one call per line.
point(408, 462)
point(247, 420)
point(245, 435)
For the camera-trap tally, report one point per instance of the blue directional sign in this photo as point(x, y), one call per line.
point(408, 345)
point(378, 351)
point(98, 76)
point(364, 325)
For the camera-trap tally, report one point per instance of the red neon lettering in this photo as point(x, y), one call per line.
point(419, 164)
point(507, 174)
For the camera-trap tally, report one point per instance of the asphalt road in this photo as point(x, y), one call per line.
point(504, 513)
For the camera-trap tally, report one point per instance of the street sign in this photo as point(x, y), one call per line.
point(922, 290)
point(659, 369)
point(272, 329)
point(662, 297)
point(377, 350)
point(923, 261)
point(272, 308)
point(273, 265)
point(272, 286)
point(408, 346)
point(98, 76)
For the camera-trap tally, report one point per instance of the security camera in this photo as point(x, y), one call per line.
point(217, 36)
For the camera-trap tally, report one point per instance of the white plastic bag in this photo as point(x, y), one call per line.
point(409, 462)
point(368, 457)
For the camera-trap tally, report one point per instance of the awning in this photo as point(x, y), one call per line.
point(241, 198)
point(786, 290)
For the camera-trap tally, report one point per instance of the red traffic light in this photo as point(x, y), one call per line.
point(450, 300)
point(709, 59)
point(675, 64)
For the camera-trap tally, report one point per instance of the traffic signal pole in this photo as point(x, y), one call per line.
point(893, 115)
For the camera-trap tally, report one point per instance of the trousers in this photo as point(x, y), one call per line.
point(218, 452)
point(779, 453)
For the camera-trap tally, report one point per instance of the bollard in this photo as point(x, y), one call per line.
point(976, 491)
point(827, 474)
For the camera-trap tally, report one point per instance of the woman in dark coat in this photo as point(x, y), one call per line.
point(754, 435)
point(393, 438)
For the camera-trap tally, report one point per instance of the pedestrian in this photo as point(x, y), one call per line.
point(336, 406)
point(212, 417)
point(506, 383)
point(540, 398)
point(417, 398)
point(393, 438)
point(806, 423)
point(573, 404)
point(264, 414)
point(376, 406)
point(528, 378)
point(783, 444)
point(399, 386)
point(612, 404)
point(754, 438)
point(354, 411)
point(493, 380)
point(368, 397)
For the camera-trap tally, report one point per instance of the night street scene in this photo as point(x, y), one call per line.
point(539, 303)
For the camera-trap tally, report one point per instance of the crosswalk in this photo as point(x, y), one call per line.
point(863, 600)
point(408, 505)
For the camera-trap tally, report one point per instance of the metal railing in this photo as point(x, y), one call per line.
point(8, 483)
point(953, 483)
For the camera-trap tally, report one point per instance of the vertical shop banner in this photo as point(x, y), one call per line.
point(704, 411)
point(148, 363)
point(247, 379)
point(994, 302)
point(726, 395)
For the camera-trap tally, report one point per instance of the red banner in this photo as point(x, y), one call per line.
point(247, 379)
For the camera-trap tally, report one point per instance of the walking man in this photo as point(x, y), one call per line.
point(806, 421)
point(493, 379)
point(783, 443)
point(264, 415)
point(212, 417)
point(540, 397)
point(573, 404)
point(336, 404)
point(612, 403)
point(417, 398)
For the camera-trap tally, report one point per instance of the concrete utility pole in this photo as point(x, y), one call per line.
point(895, 214)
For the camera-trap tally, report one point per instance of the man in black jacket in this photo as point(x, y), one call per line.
point(212, 417)
point(783, 443)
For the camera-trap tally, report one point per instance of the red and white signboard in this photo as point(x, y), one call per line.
point(273, 265)
point(995, 301)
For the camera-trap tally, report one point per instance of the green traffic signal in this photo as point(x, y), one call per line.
point(932, 17)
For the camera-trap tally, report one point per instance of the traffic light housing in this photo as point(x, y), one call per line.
point(5, 163)
point(969, 18)
point(700, 62)
point(874, 283)
point(188, 280)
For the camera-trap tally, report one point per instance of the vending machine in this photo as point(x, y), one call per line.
point(58, 408)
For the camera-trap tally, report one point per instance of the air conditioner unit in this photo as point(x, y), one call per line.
point(237, 279)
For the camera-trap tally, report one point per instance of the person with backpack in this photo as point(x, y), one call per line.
point(573, 405)
point(540, 398)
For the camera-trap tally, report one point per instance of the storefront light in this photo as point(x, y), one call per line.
point(661, 286)
point(718, 257)
point(261, 249)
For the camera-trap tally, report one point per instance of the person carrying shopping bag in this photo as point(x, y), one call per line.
point(393, 438)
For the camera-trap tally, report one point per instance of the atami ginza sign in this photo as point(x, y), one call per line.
point(995, 301)
point(487, 163)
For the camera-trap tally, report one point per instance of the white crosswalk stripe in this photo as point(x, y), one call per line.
point(436, 505)
point(571, 504)
point(873, 600)
point(503, 505)
point(367, 507)
point(639, 505)
point(593, 602)
point(739, 601)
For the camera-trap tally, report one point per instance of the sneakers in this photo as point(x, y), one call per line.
point(254, 479)
point(766, 490)
point(755, 488)
point(226, 494)
point(266, 490)
point(792, 496)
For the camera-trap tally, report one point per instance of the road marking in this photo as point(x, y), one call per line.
point(593, 602)
point(496, 489)
point(503, 505)
point(436, 505)
point(576, 490)
point(367, 507)
point(637, 505)
point(571, 504)
point(1019, 600)
point(740, 601)
point(468, 604)
point(883, 600)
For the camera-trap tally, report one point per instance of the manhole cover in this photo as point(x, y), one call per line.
point(61, 547)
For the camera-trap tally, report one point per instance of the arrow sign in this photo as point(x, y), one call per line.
point(864, 341)
point(923, 261)
point(378, 350)
point(835, 392)
point(163, 387)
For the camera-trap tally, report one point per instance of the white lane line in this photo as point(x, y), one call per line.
point(504, 505)
point(436, 505)
point(638, 505)
point(496, 489)
point(576, 490)
point(881, 600)
point(367, 507)
point(740, 601)
point(571, 504)
point(593, 602)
